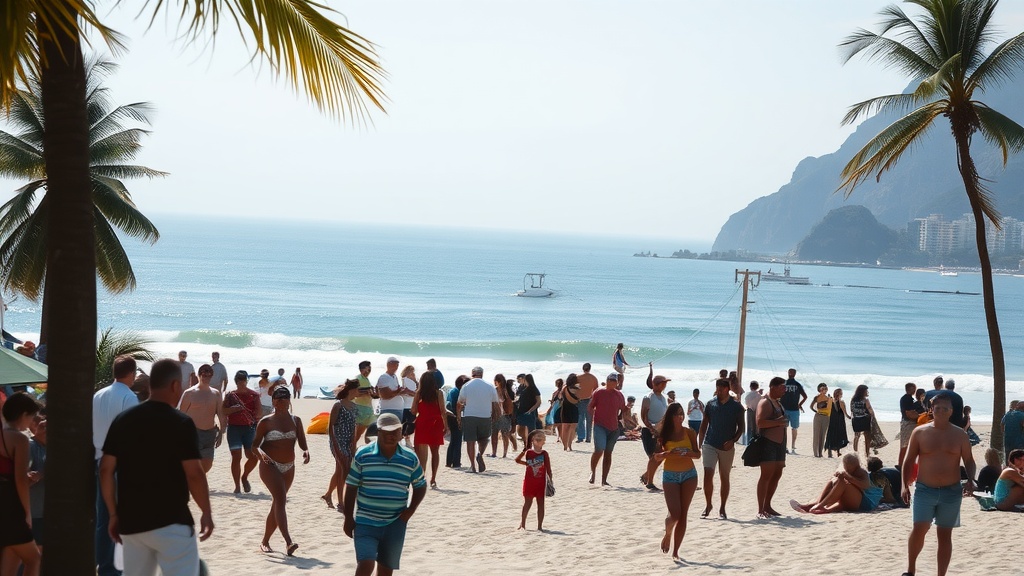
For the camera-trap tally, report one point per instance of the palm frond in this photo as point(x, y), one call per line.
point(884, 150)
point(1001, 65)
point(20, 207)
point(112, 344)
point(23, 255)
point(890, 103)
point(110, 119)
point(1000, 130)
point(115, 205)
point(123, 145)
point(936, 83)
point(910, 35)
point(891, 54)
point(125, 171)
point(336, 68)
point(113, 267)
point(20, 159)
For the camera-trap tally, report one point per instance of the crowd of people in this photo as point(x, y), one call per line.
point(385, 437)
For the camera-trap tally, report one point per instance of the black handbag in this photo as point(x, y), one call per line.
point(754, 452)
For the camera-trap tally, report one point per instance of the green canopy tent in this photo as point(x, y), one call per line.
point(18, 370)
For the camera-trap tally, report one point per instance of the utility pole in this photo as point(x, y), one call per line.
point(750, 280)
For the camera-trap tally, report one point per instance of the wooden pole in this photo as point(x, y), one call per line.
point(748, 282)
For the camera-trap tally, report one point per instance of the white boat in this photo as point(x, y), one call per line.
point(533, 286)
point(785, 277)
point(943, 272)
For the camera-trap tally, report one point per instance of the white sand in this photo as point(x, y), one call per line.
point(468, 526)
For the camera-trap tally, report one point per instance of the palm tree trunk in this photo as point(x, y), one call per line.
point(70, 295)
point(969, 173)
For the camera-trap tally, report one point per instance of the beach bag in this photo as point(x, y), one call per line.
point(318, 425)
point(549, 418)
point(754, 452)
point(549, 487)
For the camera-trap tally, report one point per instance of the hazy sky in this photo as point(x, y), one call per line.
point(630, 117)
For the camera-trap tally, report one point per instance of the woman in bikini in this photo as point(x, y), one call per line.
point(16, 541)
point(276, 435)
point(341, 433)
point(677, 448)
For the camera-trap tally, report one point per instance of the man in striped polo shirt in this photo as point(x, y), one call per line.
point(379, 481)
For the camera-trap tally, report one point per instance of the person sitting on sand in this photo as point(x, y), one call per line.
point(850, 490)
point(1009, 489)
point(677, 448)
point(275, 440)
point(629, 421)
point(990, 473)
point(881, 481)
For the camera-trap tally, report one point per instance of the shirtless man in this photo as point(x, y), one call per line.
point(202, 403)
point(937, 447)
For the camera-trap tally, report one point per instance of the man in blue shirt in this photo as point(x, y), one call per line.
point(379, 481)
point(721, 428)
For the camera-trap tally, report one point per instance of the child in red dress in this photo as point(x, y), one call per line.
point(538, 470)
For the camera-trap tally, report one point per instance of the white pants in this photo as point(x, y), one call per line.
point(173, 548)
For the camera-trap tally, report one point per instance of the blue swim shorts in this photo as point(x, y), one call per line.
point(678, 477)
point(240, 436)
point(939, 504)
point(381, 544)
point(794, 418)
point(605, 439)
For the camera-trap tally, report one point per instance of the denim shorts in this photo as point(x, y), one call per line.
point(605, 439)
point(794, 418)
point(668, 477)
point(240, 436)
point(381, 544)
point(939, 504)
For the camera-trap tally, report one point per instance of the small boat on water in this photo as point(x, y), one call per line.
point(944, 272)
point(533, 286)
point(785, 277)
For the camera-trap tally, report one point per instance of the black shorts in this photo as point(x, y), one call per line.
point(862, 424)
point(773, 451)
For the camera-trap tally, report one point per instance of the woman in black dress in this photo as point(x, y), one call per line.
point(860, 409)
point(836, 438)
point(568, 413)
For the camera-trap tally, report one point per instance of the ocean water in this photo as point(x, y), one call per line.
point(323, 297)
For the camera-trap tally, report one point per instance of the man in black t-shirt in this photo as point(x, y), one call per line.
point(793, 403)
point(908, 418)
point(154, 450)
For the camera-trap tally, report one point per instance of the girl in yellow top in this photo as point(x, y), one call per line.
point(822, 406)
point(677, 448)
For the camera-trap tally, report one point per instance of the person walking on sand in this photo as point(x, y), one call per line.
point(619, 360)
point(695, 411)
point(389, 386)
point(535, 482)
point(341, 430)
point(527, 402)
point(364, 399)
point(478, 409)
point(379, 483)
point(276, 436)
point(243, 410)
point(188, 372)
point(153, 450)
point(771, 423)
point(908, 418)
point(503, 427)
point(652, 411)
point(431, 425)
point(793, 403)
point(588, 384)
point(677, 448)
point(568, 414)
point(937, 448)
point(220, 373)
point(203, 403)
point(453, 456)
point(107, 403)
point(297, 383)
point(607, 406)
point(862, 413)
point(722, 427)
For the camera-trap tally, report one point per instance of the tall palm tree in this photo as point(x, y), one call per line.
point(337, 68)
point(112, 146)
point(946, 51)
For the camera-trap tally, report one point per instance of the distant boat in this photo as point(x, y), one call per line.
point(943, 272)
point(533, 286)
point(785, 277)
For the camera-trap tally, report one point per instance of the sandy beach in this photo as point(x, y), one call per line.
point(468, 525)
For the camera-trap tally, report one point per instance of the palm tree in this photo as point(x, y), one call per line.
point(335, 67)
point(23, 221)
point(113, 344)
point(946, 52)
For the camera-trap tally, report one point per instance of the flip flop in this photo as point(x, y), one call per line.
point(246, 486)
point(265, 548)
point(796, 506)
point(292, 548)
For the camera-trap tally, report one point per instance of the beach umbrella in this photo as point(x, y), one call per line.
point(16, 369)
